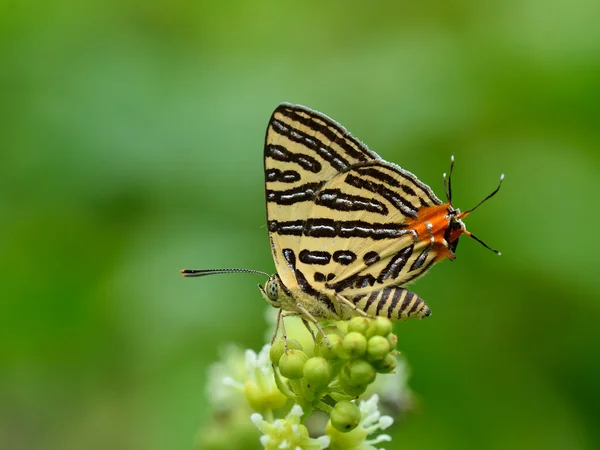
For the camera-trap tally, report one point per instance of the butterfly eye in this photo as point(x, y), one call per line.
point(272, 288)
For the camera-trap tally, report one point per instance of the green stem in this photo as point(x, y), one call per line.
point(338, 396)
point(282, 386)
point(319, 404)
point(269, 415)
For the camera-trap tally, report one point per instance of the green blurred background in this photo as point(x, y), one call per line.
point(131, 146)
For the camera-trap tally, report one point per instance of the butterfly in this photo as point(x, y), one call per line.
point(348, 230)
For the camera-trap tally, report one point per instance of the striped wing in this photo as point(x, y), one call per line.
point(395, 303)
point(303, 150)
point(339, 217)
point(358, 237)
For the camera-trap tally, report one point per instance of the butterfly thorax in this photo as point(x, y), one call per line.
point(439, 224)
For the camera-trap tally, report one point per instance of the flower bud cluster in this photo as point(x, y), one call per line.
point(278, 388)
point(337, 368)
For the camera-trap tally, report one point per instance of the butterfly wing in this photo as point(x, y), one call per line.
point(393, 302)
point(303, 150)
point(358, 237)
point(339, 218)
point(372, 207)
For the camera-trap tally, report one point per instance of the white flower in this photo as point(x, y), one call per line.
point(244, 376)
point(229, 372)
point(372, 421)
point(258, 366)
point(287, 433)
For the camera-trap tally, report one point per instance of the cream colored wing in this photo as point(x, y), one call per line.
point(355, 238)
point(303, 150)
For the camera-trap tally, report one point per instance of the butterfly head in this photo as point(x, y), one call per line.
point(456, 227)
point(271, 291)
point(275, 293)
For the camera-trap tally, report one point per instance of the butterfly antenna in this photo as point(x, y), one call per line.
point(472, 236)
point(204, 272)
point(466, 213)
point(485, 199)
point(448, 181)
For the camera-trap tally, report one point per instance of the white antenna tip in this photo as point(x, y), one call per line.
point(499, 253)
point(501, 177)
point(452, 158)
point(444, 175)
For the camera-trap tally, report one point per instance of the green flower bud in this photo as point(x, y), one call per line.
point(292, 363)
point(358, 324)
point(317, 372)
point(378, 347)
point(360, 372)
point(294, 344)
point(392, 340)
point(330, 352)
point(386, 365)
point(278, 349)
point(354, 344)
point(350, 388)
point(380, 326)
point(345, 416)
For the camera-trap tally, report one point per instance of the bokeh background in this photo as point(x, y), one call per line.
point(131, 146)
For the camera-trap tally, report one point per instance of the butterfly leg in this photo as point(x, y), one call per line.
point(304, 321)
point(277, 323)
point(308, 316)
point(350, 305)
point(280, 321)
point(309, 330)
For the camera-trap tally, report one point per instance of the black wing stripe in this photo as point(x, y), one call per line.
point(414, 181)
point(396, 264)
point(358, 298)
point(400, 203)
point(394, 302)
point(335, 228)
point(352, 146)
point(344, 257)
point(420, 260)
point(280, 153)
point(383, 300)
point(371, 299)
point(417, 306)
point(302, 193)
point(406, 303)
point(357, 281)
point(315, 257)
point(417, 273)
point(336, 199)
point(283, 176)
point(311, 143)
